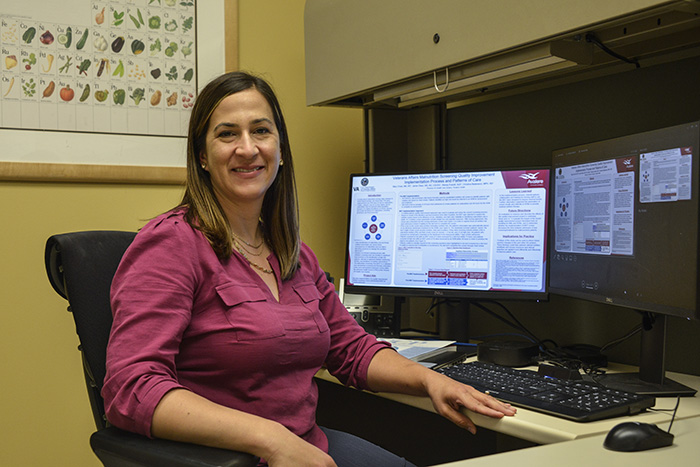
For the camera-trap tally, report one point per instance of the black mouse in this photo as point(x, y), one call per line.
point(635, 436)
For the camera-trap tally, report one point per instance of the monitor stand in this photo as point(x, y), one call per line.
point(651, 379)
point(453, 320)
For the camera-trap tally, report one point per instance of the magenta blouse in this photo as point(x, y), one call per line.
point(183, 318)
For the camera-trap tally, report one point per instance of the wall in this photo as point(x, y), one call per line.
point(45, 413)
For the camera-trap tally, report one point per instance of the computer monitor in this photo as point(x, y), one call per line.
point(469, 235)
point(625, 233)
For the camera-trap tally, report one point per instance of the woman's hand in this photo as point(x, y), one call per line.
point(288, 450)
point(390, 372)
point(449, 396)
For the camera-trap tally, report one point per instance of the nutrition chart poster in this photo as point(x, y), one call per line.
point(121, 67)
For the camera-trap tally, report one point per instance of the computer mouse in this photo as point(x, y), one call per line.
point(636, 436)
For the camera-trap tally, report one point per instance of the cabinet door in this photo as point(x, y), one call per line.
point(354, 47)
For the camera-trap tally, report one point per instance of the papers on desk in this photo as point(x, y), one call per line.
point(416, 349)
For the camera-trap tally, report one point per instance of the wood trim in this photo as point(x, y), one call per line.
point(89, 173)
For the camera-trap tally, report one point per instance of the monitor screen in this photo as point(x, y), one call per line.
point(625, 221)
point(477, 234)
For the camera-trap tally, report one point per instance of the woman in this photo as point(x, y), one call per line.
point(222, 316)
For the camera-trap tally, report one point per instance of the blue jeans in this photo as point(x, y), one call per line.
point(350, 451)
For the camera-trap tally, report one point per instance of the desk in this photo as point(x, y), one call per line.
point(590, 451)
point(545, 429)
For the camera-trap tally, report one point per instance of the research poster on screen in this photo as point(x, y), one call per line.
point(477, 231)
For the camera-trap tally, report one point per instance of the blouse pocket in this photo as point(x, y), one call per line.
point(311, 298)
point(248, 312)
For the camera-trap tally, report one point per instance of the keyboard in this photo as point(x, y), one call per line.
point(576, 400)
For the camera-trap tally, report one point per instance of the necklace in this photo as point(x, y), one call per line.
point(247, 250)
point(249, 244)
point(256, 266)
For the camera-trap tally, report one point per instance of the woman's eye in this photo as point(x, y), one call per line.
point(261, 131)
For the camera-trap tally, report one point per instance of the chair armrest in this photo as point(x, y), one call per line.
point(119, 448)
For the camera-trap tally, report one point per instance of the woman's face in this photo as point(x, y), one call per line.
point(242, 150)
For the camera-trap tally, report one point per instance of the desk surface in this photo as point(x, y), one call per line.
point(590, 451)
point(546, 429)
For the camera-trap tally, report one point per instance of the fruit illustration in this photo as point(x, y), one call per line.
point(10, 61)
point(67, 93)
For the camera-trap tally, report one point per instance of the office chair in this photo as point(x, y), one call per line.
point(80, 266)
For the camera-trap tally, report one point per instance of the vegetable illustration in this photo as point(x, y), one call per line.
point(101, 43)
point(67, 93)
point(29, 61)
point(49, 89)
point(29, 88)
point(10, 61)
point(187, 50)
point(83, 40)
point(119, 96)
point(154, 22)
point(46, 38)
point(64, 68)
point(171, 25)
point(101, 96)
point(12, 82)
point(138, 95)
point(137, 47)
point(66, 38)
point(171, 100)
point(155, 47)
point(172, 74)
point(118, 17)
point(119, 70)
point(188, 75)
point(28, 35)
point(49, 64)
point(83, 67)
point(155, 73)
point(187, 24)
point(155, 98)
point(138, 22)
point(117, 44)
point(100, 17)
point(85, 94)
point(171, 49)
point(104, 63)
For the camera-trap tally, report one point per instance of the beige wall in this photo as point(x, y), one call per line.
point(45, 417)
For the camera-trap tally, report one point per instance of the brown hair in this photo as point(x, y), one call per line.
point(279, 213)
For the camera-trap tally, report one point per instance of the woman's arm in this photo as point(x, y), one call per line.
point(390, 372)
point(182, 415)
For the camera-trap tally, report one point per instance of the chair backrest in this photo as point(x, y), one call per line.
point(80, 266)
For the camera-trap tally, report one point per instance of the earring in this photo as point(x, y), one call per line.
point(204, 166)
point(281, 162)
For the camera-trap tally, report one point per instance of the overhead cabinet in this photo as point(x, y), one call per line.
point(406, 53)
